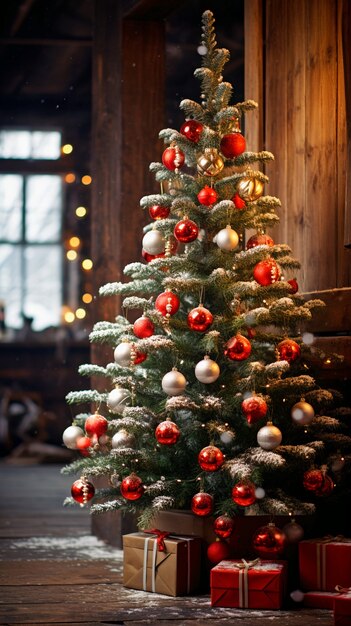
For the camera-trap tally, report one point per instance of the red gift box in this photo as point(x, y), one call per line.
point(325, 563)
point(244, 584)
point(342, 607)
point(319, 599)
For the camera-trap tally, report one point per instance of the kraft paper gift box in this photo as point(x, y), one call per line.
point(325, 563)
point(172, 570)
point(244, 584)
point(342, 607)
point(319, 599)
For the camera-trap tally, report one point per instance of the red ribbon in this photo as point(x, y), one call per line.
point(161, 536)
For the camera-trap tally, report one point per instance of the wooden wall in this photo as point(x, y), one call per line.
point(294, 69)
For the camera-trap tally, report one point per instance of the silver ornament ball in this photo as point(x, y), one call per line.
point(117, 400)
point(122, 354)
point(269, 437)
point(122, 439)
point(70, 436)
point(154, 242)
point(173, 383)
point(227, 239)
point(302, 413)
point(293, 532)
point(207, 371)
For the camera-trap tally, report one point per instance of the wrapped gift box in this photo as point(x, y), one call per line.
point(342, 609)
point(255, 585)
point(172, 569)
point(319, 599)
point(325, 563)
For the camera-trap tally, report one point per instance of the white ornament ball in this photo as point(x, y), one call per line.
point(302, 413)
point(269, 437)
point(70, 436)
point(117, 400)
point(122, 354)
point(173, 383)
point(207, 371)
point(227, 238)
point(122, 439)
point(154, 242)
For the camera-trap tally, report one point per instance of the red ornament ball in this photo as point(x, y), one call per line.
point(244, 493)
point(326, 488)
point(96, 425)
point(158, 212)
point(82, 491)
point(199, 319)
point(288, 350)
point(173, 158)
point(207, 196)
point(223, 526)
point(238, 348)
point(138, 357)
point(259, 240)
point(210, 458)
point(232, 145)
point(143, 327)
point(254, 409)
point(269, 541)
point(167, 303)
point(293, 285)
point(150, 257)
point(202, 504)
point(318, 481)
point(266, 272)
point(132, 487)
point(218, 551)
point(191, 129)
point(83, 444)
point(186, 231)
point(239, 202)
point(167, 433)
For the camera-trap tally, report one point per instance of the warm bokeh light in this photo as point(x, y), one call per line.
point(74, 242)
point(81, 211)
point(70, 178)
point(87, 298)
point(71, 255)
point(86, 180)
point(69, 317)
point(67, 148)
point(81, 313)
point(87, 264)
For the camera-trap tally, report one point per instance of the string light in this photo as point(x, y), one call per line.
point(71, 255)
point(67, 148)
point(74, 242)
point(87, 298)
point(81, 313)
point(87, 264)
point(69, 317)
point(70, 178)
point(81, 211)
point(86, 179)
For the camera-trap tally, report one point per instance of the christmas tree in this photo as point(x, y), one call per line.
point(209, 404)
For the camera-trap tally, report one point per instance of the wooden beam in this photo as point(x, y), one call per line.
point(346, 49)
point(254, 69)
point(152, 9)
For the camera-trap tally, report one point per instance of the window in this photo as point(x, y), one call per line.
point(31, 255)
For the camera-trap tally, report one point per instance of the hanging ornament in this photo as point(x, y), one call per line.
point(269, 541)
point(238, 348)
point(207, 196)
point(126, 355)
point(96, 425)
point(231, 125)
point(223, 526)
point(260, 239)
point(254, 408)
point(218, 551)
point(243, 493)
point(210, 163)
point(83, 445)
point(288, 350)
point(313, 479)
point(158, 212)
point(118, 399)
point(293, 532)
point(202, 504)
point(227, 238)
point(210, 458)
point(293, 285)
point(132, 487)
point(143, 327)
point(186, 230)
point(302, 413)
point(150, 257)
point(232, 145)
point(173, 383)
point(70, 436)
point(154, 242)
point(122, 439)
point(82, 491)
point(326, 488)
point(239, 203)
point(167, 303)
point(250, 188)
point(191, 129)
point(167, 433)
point(207, 371)
point(200, 319)
point(173, 158)
point(266, 272)
point(269, 437)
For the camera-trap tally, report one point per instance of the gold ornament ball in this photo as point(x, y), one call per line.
point(250, 189)
point(269, 437)
point(302, 413)
point(210, 163)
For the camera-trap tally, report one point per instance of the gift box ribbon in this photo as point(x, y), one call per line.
point(161, 536)
point(244, 568)
point(154, 557)
point(321, 557)
point(341, 589)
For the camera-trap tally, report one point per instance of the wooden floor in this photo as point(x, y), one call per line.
point(54, 572)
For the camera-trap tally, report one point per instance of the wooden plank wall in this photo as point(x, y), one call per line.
point(304, 125)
